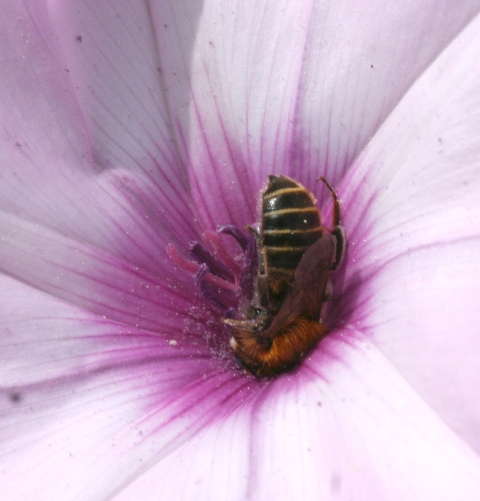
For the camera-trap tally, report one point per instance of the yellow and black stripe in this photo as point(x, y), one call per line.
point(290, 223)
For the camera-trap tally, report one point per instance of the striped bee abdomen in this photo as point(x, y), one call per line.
point(290, 223)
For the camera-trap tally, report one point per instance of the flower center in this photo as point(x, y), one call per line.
point(271, 295)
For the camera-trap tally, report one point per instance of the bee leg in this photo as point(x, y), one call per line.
point(249, 325)
point(262, 290)
point(338, 232)
point(255, 231)
point(234, 232)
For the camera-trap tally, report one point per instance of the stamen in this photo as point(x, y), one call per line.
point(180, 261)
point(234, 232)
point(249, 272)
point(203, 256)
point(222, 253)
point(219, 297)
point(222, 281)
point(219, 282)
point(193, 268)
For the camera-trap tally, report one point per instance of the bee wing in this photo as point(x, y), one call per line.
point(307, 292)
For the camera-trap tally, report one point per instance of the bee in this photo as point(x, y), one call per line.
point(296, 254)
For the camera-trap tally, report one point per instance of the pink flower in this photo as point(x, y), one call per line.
point(129, 126)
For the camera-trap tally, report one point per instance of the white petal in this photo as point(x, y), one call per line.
point(86, 404)
point(412, 211)
point(72, 157)
point(360, 59)
point(351, 428)
point(345, 426)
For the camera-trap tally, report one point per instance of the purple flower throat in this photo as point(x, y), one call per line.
point(271, 295)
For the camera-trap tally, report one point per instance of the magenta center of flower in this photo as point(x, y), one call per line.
point(271, 294)
point(225, 281)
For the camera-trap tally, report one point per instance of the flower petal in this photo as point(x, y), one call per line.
point(360, 59)
point(352, 429)
point(412, 211)
point(287, 87)
point(88, 277)
point(60, 167)
point(82, 397)
point(243, 75)
point(214, 464)
point(345, 427)
point(117, 73)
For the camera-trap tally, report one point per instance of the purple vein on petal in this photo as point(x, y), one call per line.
point(94, 279)
point(211, 211)
point(147, 111)
point(168, 199)
point(210, 399)
point(122, 77)
point(235, 159)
